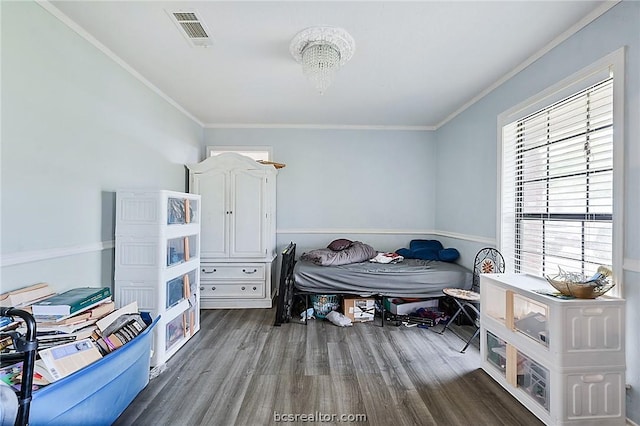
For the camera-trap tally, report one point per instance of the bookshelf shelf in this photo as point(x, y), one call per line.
point(157, 263)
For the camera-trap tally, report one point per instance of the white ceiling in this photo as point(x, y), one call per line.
point(416, 63)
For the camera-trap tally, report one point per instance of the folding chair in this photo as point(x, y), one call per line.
point(487, 261)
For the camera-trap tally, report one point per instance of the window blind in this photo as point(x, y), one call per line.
point(557, 185)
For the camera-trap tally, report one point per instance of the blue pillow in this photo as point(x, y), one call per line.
point(425, 254)
point(448, 255)
point(425, 244)
point(405, 252)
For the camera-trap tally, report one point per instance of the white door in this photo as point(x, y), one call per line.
point(247, 238)
point(215, 212)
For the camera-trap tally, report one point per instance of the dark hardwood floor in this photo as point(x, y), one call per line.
point(240, 370)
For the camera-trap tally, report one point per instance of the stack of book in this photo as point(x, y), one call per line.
point(77, 327)
point(69, 304)
point(110, 333)
point(12, 375)
point(25, 296)
point(118, 328)
point(71, 315)
point(73, 329)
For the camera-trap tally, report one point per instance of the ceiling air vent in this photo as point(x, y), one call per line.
point(191, 27)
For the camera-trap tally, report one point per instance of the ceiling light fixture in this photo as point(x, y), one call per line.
point(321, 51)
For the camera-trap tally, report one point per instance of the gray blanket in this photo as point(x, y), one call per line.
point(409, 278)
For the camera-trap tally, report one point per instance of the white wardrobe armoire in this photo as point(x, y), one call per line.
point(238, 224)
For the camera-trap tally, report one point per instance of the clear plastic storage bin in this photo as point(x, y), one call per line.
point(498, 307)
point(497, 352)
point(533, 378)
point(530, 318)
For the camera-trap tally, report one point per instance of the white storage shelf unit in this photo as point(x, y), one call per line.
point(564, 359)
point(157, 263)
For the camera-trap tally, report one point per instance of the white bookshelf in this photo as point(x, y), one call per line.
point(157, 263)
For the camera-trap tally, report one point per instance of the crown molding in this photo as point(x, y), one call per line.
point(317, 127)
point(111, 55)
point(562, 37)
point(595, 14)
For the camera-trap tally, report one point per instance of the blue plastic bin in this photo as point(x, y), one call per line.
point(98, 393)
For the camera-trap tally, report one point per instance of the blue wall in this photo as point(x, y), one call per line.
point(75, 127)
point(467, 200)
point(368, 185)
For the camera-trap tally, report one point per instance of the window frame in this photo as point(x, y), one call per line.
point(240, 150)
point(611, 65)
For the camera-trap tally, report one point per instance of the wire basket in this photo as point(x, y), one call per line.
point(324, 303)
point(577, 285)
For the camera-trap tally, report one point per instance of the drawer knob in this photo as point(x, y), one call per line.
point(201, 288)
point(249, 272)
point(255, 288)
point(213, 288)
point(243, 288)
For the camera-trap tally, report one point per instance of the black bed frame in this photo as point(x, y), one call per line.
point(284, 299)
point(287, 290)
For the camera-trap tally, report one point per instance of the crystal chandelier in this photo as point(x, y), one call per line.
point(321, 51)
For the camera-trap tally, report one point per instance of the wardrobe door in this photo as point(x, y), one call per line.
point(213, 186)
point(248, 220)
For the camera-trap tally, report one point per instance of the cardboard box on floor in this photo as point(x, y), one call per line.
point(359, 309)
point(406, 308)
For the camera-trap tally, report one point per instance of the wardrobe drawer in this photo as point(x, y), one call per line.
point(236, 272)
point(247, 289)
